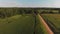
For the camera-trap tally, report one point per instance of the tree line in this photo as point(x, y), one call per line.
point(8, 12)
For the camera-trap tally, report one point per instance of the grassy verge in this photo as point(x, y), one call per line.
point(40, 28)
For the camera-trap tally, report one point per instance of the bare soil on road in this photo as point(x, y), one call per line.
point(45, 25)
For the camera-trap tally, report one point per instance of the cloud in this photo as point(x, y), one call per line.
point(57, 3)
point(10, 4)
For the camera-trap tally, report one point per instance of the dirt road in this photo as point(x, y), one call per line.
point(45, 25)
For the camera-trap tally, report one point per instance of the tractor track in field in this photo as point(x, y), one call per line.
point(45, 25)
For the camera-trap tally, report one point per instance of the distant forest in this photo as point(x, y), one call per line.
point(8, 12)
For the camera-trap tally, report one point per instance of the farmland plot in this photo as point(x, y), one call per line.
point(21, 24)
point(17, 24)
point(53, 20)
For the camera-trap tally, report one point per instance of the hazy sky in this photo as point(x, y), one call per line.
point(30, 3)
